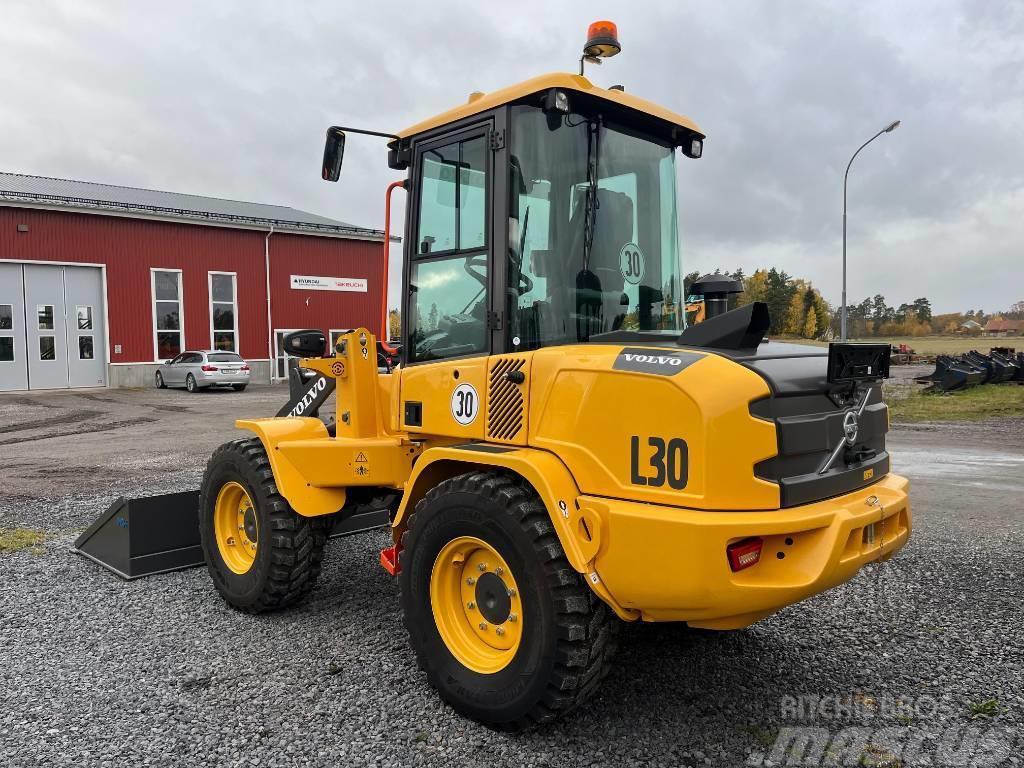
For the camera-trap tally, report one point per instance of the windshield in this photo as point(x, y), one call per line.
point(560, 290)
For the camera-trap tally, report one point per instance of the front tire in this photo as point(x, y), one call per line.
point(160, 381)
point(260, 553)
point(506, 630)
point(190, 383)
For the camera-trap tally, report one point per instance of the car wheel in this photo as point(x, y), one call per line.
point(160, 380)
point(190, 383)
point(239, 387)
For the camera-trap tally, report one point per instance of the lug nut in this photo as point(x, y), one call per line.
point(499, 631)
point(499, 570)
point(470, 580)
point(513, 618)
point(482, 567)
point(483, 626)
point(471, 605)
point(231, 540)
point(511, 593)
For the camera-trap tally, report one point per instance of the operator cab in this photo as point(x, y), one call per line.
point(540, 215)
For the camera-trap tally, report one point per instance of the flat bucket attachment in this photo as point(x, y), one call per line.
point(157, 534)
point(140, 537)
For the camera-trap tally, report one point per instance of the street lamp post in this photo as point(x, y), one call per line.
point(888, 129)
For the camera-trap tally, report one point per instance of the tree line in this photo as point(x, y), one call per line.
point(797, 308)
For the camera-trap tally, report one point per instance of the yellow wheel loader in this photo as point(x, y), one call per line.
point(559, 451)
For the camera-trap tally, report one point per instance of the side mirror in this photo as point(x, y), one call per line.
point(305, 343)
point(334, 151)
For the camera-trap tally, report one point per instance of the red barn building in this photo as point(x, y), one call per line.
point(99, 283)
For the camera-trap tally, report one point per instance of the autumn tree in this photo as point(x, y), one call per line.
point(394, 324)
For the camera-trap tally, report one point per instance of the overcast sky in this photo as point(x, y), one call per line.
point(231, 99)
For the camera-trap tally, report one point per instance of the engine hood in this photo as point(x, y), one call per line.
point(759, 423)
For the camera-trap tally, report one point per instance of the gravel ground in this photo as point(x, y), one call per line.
point(99, 672)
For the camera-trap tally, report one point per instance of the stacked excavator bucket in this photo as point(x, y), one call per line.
point(955, 372)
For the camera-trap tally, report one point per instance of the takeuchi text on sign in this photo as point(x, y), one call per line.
point(310, 283)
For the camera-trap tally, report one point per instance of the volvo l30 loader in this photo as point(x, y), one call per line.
point(560, 454)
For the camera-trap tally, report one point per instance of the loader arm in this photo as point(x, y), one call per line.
point(313, 469)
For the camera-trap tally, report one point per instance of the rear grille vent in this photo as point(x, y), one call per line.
point(505, 399)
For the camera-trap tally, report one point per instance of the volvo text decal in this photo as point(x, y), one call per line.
point(659, 361)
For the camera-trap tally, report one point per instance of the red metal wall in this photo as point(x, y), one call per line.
point(131, 247)
point(324, 257)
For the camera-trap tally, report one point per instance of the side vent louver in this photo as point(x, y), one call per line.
point(505, 399)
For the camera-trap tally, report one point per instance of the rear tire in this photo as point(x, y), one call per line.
point(190, 383)
point(160, 381)
point(565, 635)
point(239, 387)
point(289, 547)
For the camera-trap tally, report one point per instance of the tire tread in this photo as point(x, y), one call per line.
point(586, 627)
point(296, 542)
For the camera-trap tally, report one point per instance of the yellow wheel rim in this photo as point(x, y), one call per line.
point(476, 604)
point(235, 527)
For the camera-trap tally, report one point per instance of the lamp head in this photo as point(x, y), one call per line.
point(602, 40)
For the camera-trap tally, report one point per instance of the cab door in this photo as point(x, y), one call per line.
point(450, 318)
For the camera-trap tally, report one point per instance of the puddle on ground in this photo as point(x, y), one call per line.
point(991, 469)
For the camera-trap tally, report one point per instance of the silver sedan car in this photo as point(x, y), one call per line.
point(203, 369)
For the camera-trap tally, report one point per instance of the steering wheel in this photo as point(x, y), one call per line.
point(479, 262)
point(525, 283)
point(473, 263)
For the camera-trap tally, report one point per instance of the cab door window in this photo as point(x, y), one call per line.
point(453, 197)
point(448, 275)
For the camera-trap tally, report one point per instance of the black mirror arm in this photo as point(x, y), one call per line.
point(363, 131)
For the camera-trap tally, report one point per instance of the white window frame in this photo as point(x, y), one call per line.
point(331, 333)
point(234, 304)
point(277, 355)
point(181, 309)
point(9, 333)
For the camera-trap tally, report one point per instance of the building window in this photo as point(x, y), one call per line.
point(47, 348)
point(6, 317)
point(44, 314)
point(224, 311)
point(168, 329)
point(84, 317)
point(6, 349)
point(85, 348)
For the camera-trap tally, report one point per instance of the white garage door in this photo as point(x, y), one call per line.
point(52, 327)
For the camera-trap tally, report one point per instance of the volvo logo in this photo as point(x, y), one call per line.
point(850, 427)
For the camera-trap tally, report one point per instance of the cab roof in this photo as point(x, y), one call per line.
point(535, 85)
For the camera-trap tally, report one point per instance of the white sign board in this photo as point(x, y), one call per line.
point(309, 283)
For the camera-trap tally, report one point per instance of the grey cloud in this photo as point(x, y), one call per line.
point(231, 99)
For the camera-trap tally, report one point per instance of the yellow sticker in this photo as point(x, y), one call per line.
point(868, 474)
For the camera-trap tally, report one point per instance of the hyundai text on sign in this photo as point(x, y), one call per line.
point(309, 283)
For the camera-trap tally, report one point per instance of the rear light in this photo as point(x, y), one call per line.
point(744, 554)
point(209, 368)
point(244, 368)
